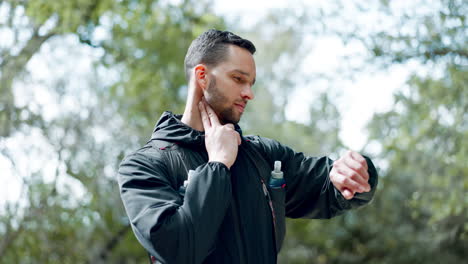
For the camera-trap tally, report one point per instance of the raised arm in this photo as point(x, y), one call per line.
point(310, 192)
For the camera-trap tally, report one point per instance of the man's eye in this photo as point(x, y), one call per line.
point(238, 79)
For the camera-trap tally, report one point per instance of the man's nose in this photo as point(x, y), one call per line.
point(247, 93)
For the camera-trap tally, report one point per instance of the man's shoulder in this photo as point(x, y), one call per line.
point(266, 145)
point(152, 150)
point(270, 147)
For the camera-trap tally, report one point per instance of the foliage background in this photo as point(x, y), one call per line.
point(82, 83)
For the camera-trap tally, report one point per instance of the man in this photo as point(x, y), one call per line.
point(227, 213)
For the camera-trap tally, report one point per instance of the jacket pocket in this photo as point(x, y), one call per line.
point(278, 201)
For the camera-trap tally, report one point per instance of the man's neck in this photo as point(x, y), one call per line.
point(191, 116)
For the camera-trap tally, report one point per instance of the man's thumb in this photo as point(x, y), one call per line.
point(347, 194)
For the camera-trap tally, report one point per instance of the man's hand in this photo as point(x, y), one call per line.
point(349, 174)
point(221, 141)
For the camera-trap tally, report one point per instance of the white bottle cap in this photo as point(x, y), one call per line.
point(277, 173)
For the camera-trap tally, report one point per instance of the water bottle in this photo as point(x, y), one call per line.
point(277, 180)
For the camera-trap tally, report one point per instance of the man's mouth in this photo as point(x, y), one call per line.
point(241, 107)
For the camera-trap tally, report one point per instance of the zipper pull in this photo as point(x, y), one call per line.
point(265, 190)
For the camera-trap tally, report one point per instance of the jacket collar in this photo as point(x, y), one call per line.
point(170, 128)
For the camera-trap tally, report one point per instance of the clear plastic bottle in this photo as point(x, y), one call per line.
point(277, 180)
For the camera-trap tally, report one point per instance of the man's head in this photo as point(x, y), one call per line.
point(211, 47)
point(221, 65)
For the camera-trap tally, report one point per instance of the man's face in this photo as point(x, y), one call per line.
point(230, 85)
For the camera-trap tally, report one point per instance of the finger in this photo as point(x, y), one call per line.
point(357, 167)
point(204, 116)
point(359, 158)
point(239, 141)
point(212, 115)
point(347, 194)
point(229, 125)
point(345, 181)
point(355, 177)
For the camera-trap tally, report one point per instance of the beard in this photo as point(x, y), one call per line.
point(220, 104)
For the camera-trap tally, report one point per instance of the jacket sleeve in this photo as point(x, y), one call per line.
point(309, 191)
point(173, 229)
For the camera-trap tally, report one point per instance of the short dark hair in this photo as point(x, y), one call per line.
point(211, 47)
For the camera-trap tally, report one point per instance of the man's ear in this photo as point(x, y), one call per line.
point(201, 76)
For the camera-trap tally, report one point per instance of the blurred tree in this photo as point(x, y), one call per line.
point(422, 141)
point(422, 137)
point(25, 26)
point(432, 32)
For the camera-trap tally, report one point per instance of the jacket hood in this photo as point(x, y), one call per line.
point(170, 128)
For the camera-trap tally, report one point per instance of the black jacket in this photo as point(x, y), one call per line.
point(224, 216)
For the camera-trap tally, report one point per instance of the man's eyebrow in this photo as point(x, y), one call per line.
point(244, 73)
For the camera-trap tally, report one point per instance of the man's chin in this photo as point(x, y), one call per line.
point(231, 120)
point(229, 117)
